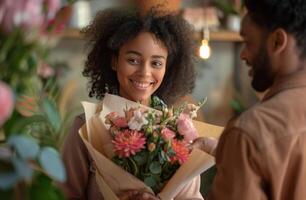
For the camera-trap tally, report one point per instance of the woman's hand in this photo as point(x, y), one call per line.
point(137, 195)
point(207, 144)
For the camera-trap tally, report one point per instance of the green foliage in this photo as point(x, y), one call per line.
point(227, 7)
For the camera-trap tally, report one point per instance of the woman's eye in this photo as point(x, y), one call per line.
point(133, 61)
point(157, 64)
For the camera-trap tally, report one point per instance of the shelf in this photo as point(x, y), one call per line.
point(71, 33)
point(225, 36)
point(219, 36)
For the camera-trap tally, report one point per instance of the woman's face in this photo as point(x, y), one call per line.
point(141, 67)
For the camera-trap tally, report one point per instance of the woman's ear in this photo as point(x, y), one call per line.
point(114, 63)
point(278, 41)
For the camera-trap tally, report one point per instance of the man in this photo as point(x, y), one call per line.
point(262, 153)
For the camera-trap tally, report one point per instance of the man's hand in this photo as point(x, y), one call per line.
point(207, 144)
point(137, 195)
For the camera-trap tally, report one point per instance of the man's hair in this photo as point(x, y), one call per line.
point(289, 15)
point(112, 28)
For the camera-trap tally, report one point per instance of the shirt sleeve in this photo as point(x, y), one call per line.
point(191, 190)
point(238, 168)
point(77, 163)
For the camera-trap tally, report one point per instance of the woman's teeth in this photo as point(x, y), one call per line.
point(142, 85)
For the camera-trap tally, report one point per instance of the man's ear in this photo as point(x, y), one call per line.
point(278, 41)
point(114, 63)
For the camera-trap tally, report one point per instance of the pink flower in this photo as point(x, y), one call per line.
point(52, 7)
point(128, 143)
point(181, 151)
point(45, 70)
point(167, 134)
point(6, 102)
point(21, 13)
point(110, 117)
point(185, 127)
point(120, 122)
point(114, 119)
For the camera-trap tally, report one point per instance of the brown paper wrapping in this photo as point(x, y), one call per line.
point(112, 179)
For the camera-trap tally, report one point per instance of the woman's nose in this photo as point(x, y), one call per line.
point(145, 69)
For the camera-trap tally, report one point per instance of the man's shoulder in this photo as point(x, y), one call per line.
point(258, 122)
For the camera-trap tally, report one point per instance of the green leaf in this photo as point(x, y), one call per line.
point(26, 147)
point(23, 122)
point(141, 158)
point(8, 180)
point(150, 181)
point(155, 168)
point(51, 162)
point(44, 189)
point(23, 169)
point(52, 114)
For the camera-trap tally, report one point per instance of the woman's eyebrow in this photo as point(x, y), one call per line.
point(139, 54)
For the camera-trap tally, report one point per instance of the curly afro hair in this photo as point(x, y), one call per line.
point(289, 15)
point(112, 28)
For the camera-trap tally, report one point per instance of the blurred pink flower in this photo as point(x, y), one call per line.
point(185, 127)
point(6, 102)
point(181, 151)
point(25, 14)
point(128, 143)
point(53, 6)
point(45, 71)
point(167, 134)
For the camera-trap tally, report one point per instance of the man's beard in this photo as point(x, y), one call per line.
point(263, 74)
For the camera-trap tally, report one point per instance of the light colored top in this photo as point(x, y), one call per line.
point(262, 153)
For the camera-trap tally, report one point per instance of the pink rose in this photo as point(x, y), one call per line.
point(120, 122)
point(185, 127)
point(167, 134)
point(6, 102)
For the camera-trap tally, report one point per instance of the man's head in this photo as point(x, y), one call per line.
point(274, 32)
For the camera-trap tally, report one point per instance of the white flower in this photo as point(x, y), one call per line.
point(137, 121)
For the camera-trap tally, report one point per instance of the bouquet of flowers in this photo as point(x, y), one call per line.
point(152, 144)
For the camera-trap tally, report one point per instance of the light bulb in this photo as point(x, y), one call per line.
point(204, 49)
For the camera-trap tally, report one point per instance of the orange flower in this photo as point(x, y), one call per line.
point(181, 151)
point(128, 142)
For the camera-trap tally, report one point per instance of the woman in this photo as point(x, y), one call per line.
point(137, 58)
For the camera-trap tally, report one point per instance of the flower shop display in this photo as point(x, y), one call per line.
point(31, 123)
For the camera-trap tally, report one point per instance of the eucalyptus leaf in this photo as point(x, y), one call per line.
point(26, 147)
point(155, 167)
point(150, 181)
point(140, 158)
point(52, 114)
point(8, 180)
point(51, 162)
point(23, 169)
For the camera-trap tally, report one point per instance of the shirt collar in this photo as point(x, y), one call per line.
point(294, 80)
